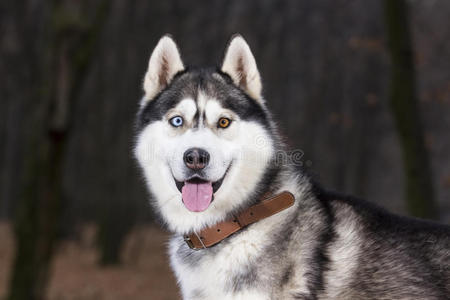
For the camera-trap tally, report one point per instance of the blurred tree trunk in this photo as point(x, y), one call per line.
point(114, 213)
point(115, 223)
point(404, 106)
point(66, 54)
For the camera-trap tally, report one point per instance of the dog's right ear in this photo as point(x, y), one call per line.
point(164, 63)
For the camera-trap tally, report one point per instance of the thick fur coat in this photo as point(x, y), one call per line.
point(323, 247)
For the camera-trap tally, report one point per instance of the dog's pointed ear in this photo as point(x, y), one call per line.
point(240, 64)
point(164, 63)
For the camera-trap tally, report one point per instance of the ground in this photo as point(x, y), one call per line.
point(143, 274)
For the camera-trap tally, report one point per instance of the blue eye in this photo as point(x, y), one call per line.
point(176, 121)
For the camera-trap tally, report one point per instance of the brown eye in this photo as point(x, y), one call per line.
point(224, 122)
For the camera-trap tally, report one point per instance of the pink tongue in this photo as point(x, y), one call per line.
point(197, 196)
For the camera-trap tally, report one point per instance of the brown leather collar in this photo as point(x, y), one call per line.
point(266, 208)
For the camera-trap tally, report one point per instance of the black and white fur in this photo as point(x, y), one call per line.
point(324, 247)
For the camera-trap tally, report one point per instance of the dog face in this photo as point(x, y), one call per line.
point(204, 136)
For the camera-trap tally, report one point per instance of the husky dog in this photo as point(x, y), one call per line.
point(209, 151)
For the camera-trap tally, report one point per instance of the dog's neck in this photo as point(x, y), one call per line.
point(282, 191)
point(269, 206)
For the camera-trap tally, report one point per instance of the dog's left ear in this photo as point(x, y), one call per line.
point(164, 63)
point(240, 64)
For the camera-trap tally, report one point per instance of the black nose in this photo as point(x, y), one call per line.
point(196, 158)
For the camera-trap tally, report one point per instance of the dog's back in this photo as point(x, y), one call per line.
point(373, 254)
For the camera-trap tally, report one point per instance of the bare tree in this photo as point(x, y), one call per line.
point(66, 54)
point(419, 189)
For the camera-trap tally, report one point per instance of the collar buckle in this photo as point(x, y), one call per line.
point(188, 241)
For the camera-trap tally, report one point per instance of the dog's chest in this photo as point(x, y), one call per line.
point(228, 272)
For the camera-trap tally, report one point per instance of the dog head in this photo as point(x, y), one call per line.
point(204, 138)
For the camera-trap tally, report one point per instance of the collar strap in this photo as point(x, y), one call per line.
point(215, 234)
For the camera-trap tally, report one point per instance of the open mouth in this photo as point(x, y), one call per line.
point(215, 185)
point(198, 193)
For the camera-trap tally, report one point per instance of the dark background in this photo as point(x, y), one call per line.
point(71, 75)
